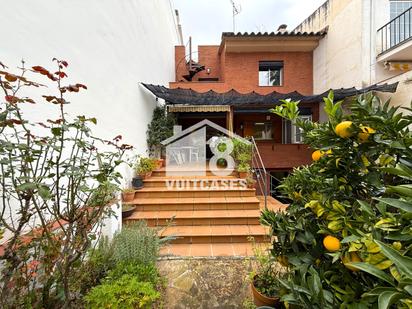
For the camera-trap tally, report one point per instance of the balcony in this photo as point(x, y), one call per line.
point(284, 156)
point(395, 39)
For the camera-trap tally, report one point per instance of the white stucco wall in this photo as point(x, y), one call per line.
point(110, 45)
point(346, 56)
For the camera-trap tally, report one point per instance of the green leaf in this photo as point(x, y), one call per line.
point(56, 131)
point(379, 290)
point(370, 269)
point(44, 192)
point(27, 186)
point(403, 263)
point(405, 206)
point(405, 190)
point(366, 207)
point(386, 299)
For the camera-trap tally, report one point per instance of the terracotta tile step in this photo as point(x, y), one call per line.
point(187, 173)
point(193, 192)
point(179, 183)
point(197, 217)
point(213, 249)
point(200, 203)
point(216, 233)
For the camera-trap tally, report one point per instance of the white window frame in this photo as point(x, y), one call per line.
point(297, 132)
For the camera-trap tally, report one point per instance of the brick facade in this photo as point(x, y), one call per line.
point(240, 71)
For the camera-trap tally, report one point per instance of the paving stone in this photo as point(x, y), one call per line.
point(206, 283)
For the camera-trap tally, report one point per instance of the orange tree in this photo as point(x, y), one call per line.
point(346, 236)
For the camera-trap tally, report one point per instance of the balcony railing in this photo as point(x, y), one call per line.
point(395, 32)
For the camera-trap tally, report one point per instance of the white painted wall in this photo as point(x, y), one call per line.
point(346, 56)
point(110, 45)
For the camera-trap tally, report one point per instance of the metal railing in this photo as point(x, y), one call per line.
point(264, 179)
point(395, 32)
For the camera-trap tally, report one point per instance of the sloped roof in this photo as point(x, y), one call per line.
point(234, 98)
point(274, 34)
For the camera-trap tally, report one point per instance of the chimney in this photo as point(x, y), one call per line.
point(282, 28)
point(177, 129)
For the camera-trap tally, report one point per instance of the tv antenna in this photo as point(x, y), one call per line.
point(236, 9)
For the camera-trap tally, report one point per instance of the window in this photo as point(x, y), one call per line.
point(292, 134)
point(270, 73)
point(262, 131)
point(397, 7)
point(399, 29)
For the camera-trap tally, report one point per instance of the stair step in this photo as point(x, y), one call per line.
point(194, 192)
point(216, 233)
point(188, 173)
point(198, 217)
point(199, 203)
point(194, 182)
point(212, 250)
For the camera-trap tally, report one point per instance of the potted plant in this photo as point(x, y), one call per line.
point(159, 129)
point(145, 167)
point(265, 284)
point(243, 170)
point(250, 182)
point(159, 163)
point(127, 210)
point(128, 194)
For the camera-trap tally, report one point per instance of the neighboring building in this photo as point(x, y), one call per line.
point(368, 42)
point(110, 46)
point(234, 84)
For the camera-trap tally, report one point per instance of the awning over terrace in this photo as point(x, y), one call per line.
point(236, 99)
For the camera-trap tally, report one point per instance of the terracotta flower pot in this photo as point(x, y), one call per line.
point(243, 174)
point(146, 175)
point(251, 185)
point(128, 196)
point(160, 163)
point(261, 300)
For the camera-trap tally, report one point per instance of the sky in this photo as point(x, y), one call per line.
point(205, 20)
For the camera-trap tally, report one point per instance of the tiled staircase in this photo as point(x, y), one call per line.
point(213, 222)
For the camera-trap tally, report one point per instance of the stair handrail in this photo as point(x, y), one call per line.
point(259, 170)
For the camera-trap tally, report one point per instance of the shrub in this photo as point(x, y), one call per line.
point(242, 152)
point(159, 129)
point(49, 169)
point(95, 267)
point(358, 191)
point(243, 167)
point(145, 165)
point(125, 292)
point(137, 244)
point(103, 194)
point(144, 273)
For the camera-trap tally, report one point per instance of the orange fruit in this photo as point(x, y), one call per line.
point(351, 257)
point(343, 129)
point(331, 243)
point(364, 135)
point(316, 155)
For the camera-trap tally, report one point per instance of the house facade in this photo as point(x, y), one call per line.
point(262, 64)
point(376, 48)
point(236, 83)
